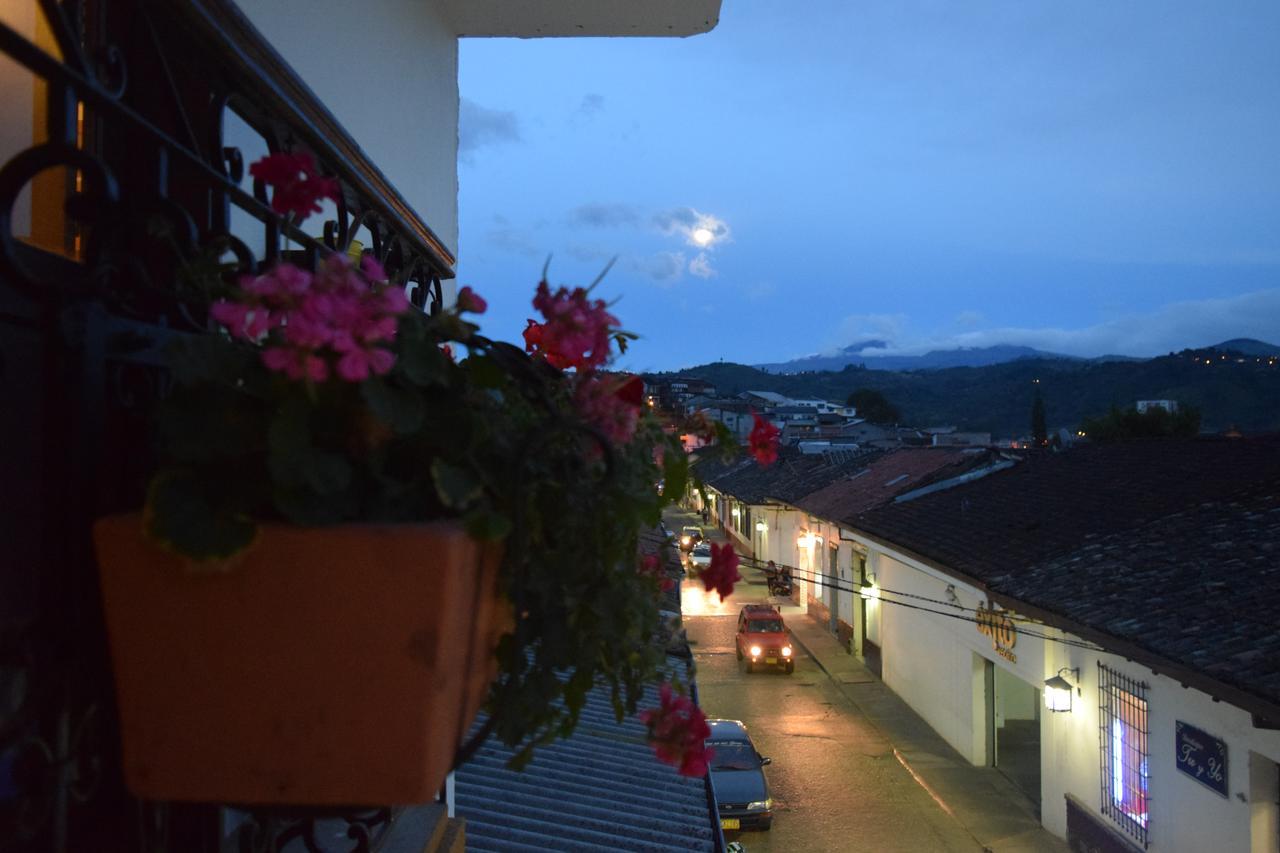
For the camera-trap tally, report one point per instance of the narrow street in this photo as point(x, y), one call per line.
point(835, 781)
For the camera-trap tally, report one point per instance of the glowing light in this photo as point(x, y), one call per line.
point(703, 236)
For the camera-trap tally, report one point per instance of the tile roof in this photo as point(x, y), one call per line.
point(794, 475)
point(1200, 588)
point(1166, 549)
point(1044, 506)
point(885, 477)
point(601, 789)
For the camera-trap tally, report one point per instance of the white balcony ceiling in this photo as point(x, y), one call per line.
point(549, 18)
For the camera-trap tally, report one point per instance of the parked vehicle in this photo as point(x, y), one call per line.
point(700, 556)
point(737, 775)
point(763, 638)
point(690, 535)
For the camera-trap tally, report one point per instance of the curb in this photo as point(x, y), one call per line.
point(802, 644)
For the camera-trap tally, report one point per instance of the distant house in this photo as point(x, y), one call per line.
point(961, 439)
point(765, 399)
point(1170, 406)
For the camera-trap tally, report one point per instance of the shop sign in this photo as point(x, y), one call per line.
point(999, 627)
point(1202, 756)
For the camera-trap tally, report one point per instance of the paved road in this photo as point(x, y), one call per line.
point(836, 783)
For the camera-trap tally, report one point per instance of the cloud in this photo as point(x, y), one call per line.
point(1169, 328)
point(701, 266)
point(861, 327)
point(513, 240)
point(969, 319)
point(662, 267)
point(698, 229)
point(588, 253)
point(601, 215)
point(480, 126)
point(592, 105)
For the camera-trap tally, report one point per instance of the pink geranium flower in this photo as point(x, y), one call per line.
point(600, 403)
point(763, 441)
point(576, 331)
point(678, 732)
point(722, 573)
point(297, 186)
point(335, 322)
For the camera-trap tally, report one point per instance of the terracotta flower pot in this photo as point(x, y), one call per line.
point(331, 666)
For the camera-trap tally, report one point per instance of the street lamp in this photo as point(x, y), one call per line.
point(761, 527)
point(1057, 690)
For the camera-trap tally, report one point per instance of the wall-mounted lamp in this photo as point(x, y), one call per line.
point(805, 540)
point(761, 526)
point(1058, 691)
point(736, 512)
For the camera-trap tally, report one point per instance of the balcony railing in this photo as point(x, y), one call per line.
point(130, 175)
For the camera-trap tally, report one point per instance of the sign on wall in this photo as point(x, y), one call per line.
point(999, 627)
point(1202, 756)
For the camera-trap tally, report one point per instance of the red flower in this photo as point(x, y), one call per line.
point(652, 567)
point(577, 330)
point(722, 574)
point(469, 300)
point(678, 732)
point(297, 186)
point(763, 441)
point(632, 391)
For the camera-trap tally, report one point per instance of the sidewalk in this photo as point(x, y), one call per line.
point(982, 800)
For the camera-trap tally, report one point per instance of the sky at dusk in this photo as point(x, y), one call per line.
point(1086, 178)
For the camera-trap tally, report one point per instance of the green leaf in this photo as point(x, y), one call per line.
point(485, 372)
point(181, 515)
point(399, 408)
point(294, 461)
point(675, 471)
point(457, 487)
point(421, 360)
point(488, 526)
point(208, 358)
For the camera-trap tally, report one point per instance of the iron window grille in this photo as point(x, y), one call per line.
point(1122, 734)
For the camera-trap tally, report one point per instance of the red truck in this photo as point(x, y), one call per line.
point(763, 639)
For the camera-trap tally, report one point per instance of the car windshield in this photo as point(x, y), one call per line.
point(733, 755)
point(702, 548)
point(692, 531)
point(764, 626)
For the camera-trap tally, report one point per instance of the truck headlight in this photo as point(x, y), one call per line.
point(760, 804)
point(755, 651)
point(786, 651)
point(684, 540)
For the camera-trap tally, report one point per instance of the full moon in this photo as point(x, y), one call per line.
point(702, 236)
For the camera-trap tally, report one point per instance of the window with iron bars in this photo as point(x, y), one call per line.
point(1122, 735)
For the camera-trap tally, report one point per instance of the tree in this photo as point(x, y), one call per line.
point(1155, 422)
point(873, 406)
point(1039, 432)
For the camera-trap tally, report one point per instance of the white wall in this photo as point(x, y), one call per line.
point(388, 70)
point(928, 659)
point(1185, 815)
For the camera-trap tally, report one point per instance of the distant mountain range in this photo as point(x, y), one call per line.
point(864, 353)
point(1241, 391)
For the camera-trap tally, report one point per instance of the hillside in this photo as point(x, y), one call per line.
point(997, 398)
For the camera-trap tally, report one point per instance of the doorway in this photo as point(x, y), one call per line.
point(1013, 729)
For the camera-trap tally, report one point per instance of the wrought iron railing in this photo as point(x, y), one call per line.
point(131, 161)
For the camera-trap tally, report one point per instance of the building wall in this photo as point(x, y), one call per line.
point(933, 661)
point(935, 664)
point(388, 70)
point(1185, 815)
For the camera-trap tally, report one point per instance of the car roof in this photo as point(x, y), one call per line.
point(757, 611)
point(691, 527)
point(728, 730)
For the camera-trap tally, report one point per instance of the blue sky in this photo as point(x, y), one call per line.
point(1086, 178)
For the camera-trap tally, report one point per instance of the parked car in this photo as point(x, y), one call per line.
point(763, 638)
point(737, 775)
point(690, 535)
point(701, 554)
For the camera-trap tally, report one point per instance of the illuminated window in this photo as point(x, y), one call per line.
point(1122, 724)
